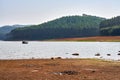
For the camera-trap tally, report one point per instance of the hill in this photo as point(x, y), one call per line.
point(110, 27)
point(7, 29)
point(65, 27)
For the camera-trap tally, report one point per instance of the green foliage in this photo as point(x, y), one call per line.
point(110, 22)
point(70, 26)
point(110, 27)
point(7, 29)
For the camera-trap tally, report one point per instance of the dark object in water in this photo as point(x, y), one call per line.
point(24, 42)
point(108, 54)
point(53, 58)
point(118, 53)
point(101, 57)
point(97, 54)
point(59, 58)
point(66, 53)
point(76, 54)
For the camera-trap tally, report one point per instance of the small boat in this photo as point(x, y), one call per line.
point(24, 42)
point(118, 53)
point(75, 54)
point(108, 54)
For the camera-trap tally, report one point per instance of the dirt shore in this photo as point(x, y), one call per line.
point(97, 38)
point(59, 69)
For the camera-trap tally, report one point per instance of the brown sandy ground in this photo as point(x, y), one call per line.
point(59, 69)
point(97, 38)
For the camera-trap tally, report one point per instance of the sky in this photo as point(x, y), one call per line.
point(29, 12)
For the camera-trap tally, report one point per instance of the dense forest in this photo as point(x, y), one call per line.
point(7, 29)
point(110, 27)
point(65, 27)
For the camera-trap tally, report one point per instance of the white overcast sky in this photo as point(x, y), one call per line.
point(39, 11)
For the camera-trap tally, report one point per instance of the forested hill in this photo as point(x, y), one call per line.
point(65, 27)
point(110, 27)
point(7, 29)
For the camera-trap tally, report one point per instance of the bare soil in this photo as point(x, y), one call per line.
point(59, 69)
point(97, 38)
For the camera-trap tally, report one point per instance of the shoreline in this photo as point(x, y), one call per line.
point(80, 39)
point(55, 58)
point(90, 39)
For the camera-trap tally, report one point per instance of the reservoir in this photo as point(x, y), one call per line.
point(44, 49)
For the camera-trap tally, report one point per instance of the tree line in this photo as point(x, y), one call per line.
point(110, 27)
point(69, 26)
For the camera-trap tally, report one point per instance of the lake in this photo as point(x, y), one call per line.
point(38, 49)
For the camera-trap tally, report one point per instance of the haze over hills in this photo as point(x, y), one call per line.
point(7, 29)
point(65, 27)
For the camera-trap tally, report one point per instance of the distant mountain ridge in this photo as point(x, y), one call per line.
point(7, 29)
point(64, 27)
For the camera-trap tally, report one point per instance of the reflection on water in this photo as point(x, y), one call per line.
point(34, 49)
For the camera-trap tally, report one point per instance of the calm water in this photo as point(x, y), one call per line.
point(17, 50)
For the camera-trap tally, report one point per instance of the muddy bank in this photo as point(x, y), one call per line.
point(59, 69)
point(94, 39)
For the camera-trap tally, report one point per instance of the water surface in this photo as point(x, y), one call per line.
point(37, 49)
